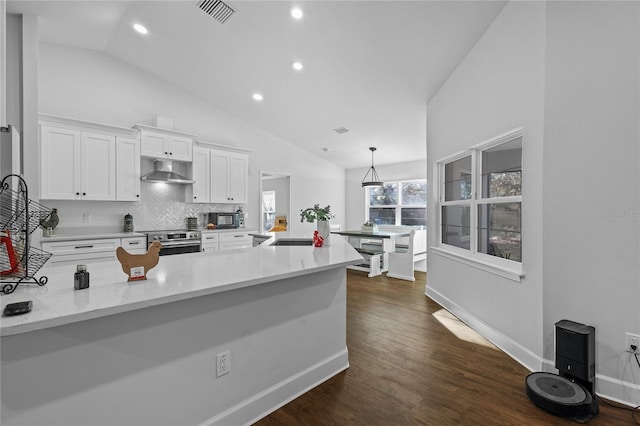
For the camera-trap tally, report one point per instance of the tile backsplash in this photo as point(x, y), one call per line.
point(161, 206)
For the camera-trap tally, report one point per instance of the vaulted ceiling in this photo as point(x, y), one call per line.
point(369, 66)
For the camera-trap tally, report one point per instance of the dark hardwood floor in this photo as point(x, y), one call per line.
point(412, 363)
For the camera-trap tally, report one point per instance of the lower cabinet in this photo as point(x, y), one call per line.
point(209, 242)
point(218, 241)
point(90, 251)
point(233, 240)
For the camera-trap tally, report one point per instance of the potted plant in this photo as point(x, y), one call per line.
point(369, 226)
point(320, 215)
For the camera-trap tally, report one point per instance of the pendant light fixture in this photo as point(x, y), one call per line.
point(375, 180)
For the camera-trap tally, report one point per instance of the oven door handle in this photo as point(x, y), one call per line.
point(168, 244)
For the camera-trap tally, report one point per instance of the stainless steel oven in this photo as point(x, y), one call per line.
point(176, 242)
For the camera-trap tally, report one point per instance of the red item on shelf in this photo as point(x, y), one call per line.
point(6, 245)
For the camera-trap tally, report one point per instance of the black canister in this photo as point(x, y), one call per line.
point(128, 223)
point(81, 278)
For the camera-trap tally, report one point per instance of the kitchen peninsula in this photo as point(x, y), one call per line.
point(145, 352)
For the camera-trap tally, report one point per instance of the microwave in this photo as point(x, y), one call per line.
point(224, 220)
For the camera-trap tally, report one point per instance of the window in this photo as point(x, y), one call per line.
point(480, 197)
point(398, 203)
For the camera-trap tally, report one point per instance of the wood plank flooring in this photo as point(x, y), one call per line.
point(413, 363)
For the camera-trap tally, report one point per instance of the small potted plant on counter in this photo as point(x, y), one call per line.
point(369, 226)
point(320, 215)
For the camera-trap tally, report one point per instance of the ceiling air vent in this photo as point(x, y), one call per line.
point(217, 9)
point(340, 130)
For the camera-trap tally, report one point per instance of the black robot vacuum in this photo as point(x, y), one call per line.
point(571, 392)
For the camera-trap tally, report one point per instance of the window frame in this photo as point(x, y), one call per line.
point(397, 207)
point(504, 267)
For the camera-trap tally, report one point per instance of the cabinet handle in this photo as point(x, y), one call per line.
point(238, 236)
point(133, 243)
point(138, 195)
point(89, 246)
point(77, 193)
point(84, 193)
point(166, 153)
point(194, 197)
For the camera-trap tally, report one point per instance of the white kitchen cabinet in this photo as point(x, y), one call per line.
point(220, 176)
point(127, 169)
point(79, 160)
point(210, 242)
point(59, 150)
point(134, 245)
point(229, 177)
point(165, 144)
point(77, 165)
point(200, 190)
point(92, 250)
point(232, 240)
point(81, 251)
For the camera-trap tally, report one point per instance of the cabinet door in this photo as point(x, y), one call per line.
point(209, 240)
point(233, 240)
point(219, 177)
point(60, 152)
point(153, 145)
point(179, 148)
point(238, 176)
point(81, 251)
point(98, 166)
point(127, 169)
point(201, 175)
point(135, 245)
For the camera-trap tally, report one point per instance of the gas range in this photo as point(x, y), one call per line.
point(175, 241)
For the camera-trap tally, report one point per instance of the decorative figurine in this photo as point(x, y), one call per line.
point(136, 266)
point(317, 239)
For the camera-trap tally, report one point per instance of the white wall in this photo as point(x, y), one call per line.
point(499, 86)
point(93, 86)
point(355, 204)
point(569, 73)
point(591, 181)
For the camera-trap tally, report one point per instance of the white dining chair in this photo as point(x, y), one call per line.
point(401, 261)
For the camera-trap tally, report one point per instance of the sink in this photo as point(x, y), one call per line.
point(293, 242)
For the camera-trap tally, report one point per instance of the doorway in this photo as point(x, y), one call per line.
point(275, 198)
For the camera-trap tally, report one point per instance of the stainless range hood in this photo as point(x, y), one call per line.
point(163, 172)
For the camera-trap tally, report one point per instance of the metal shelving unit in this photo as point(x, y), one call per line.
point(19, 218)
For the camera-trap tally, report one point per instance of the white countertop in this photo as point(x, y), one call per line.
point(175, 278)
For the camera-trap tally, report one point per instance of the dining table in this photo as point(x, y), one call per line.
point(359, 239)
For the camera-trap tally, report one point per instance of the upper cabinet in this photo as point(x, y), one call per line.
point(221, 176)
point(127, 169)
point(165, 144)
point(79, 161)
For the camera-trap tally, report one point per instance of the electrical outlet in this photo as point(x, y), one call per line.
point(223, 363)
point(87, 218)
point(632, 340)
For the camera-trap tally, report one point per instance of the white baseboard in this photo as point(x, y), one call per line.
point(269, 400)
point(516, 351)
point(606, 387)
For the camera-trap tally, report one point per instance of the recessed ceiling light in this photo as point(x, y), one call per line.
point(257, 97)
point(297, 66)
point(296, 12)
point(140, 28)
